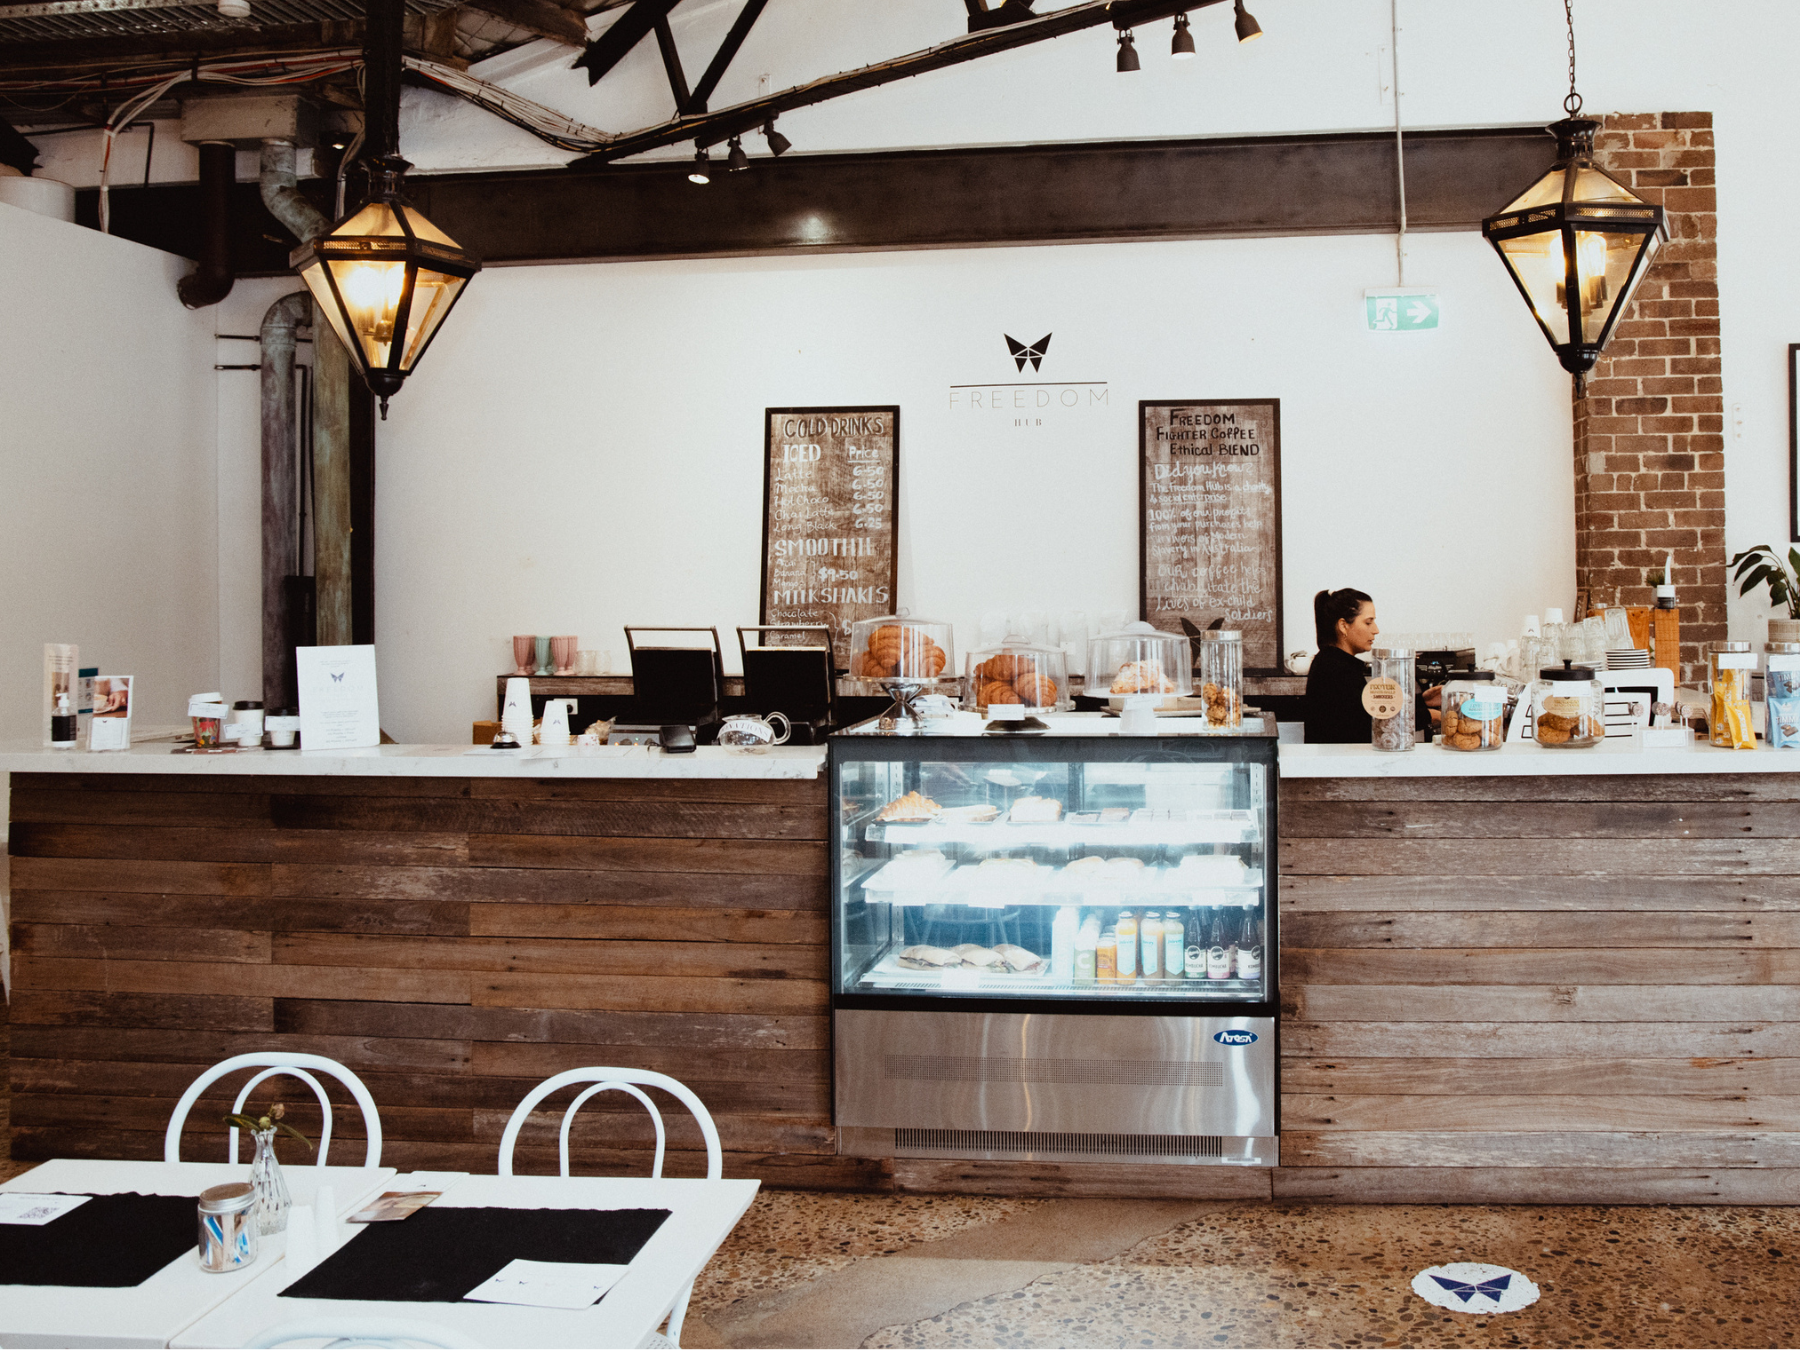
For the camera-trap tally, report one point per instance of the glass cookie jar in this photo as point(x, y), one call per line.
point(1731, 664)
point(1781, 684)
point(1568, 707)
point(1017, 671)
point(1388, 698)
point(1222, 678)
point(1474, 715)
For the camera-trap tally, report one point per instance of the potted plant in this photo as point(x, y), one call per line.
point(1763, 566)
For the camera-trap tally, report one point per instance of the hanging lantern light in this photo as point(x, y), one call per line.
point(385, 278)
point(1577, 241)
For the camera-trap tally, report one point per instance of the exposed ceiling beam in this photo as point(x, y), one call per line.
point(714, 127)
point(631, 27)
point(671, 59)
point(740, 29)
point(556, 22)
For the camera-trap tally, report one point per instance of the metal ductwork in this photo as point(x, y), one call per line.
point(281, 193)
point(211, 281)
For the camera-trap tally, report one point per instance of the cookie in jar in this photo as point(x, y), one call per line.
point(1568, 707)
point(1474, 714)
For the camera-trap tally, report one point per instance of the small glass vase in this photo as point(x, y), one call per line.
point(272, 1199)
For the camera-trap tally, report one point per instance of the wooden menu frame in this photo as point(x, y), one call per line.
point(1212, 425)
point(850, 441)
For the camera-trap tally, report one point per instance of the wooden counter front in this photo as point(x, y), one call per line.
point(1533, 990)
point(453, 940)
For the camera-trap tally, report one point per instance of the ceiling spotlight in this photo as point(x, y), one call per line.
point(1182, 48)
point(1128, 57)
point(778, 144)
point(235, 9)
point(702, 170)
point(737, 160)
point(1247, 27)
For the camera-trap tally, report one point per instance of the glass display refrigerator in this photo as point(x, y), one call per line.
point(1055, 947)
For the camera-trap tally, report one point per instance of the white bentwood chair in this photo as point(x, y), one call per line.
point(387, 1332)
point(631, 1082)
point(274, 1064)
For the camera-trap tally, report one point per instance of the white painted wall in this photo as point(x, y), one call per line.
point(582, 448)
point(108, 506)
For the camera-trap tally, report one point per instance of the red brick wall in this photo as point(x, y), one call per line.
point(1650, 435)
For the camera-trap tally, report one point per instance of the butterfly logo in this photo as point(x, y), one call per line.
point(337, 677)
point(1034, 353)
point(1493, 1288)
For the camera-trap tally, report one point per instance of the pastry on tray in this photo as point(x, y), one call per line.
point(913, 808)
point(1035, 811)
point(1141, 677)
point(970, 815)
point(907, 652)
point(928, 958)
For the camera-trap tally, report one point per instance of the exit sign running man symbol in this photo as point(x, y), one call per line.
point(1400, 311)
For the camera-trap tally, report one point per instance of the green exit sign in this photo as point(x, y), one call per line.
point(1400, 311)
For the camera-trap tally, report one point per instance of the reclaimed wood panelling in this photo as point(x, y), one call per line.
point(452, 941)
point(1542, 990)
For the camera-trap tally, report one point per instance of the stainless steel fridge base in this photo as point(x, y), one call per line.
point(1043, 1146)
point(1087, 1087)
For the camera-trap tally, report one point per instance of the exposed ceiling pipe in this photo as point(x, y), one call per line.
point(280, 486)
point(281, 193)
point(211, 280)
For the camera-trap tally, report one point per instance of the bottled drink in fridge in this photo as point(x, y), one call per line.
point(1174, 946)
point(1087, 939)
point(1150, 940)
point(1250, 947)
point(1218, 953)
point(1127, 949)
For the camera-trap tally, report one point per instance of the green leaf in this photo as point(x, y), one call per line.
point(286, 1128)
point(1794, 560)
point(243, 1122)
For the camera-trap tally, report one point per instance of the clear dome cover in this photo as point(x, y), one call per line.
point(1138, 659)
point(896, 648)
point(1017, 671)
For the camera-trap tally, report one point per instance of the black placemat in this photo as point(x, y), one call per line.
point(111, 1242)
point(438, 1255)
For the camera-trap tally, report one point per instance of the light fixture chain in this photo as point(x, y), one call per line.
point(1571, 104)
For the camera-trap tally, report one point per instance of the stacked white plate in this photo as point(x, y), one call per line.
point(1627, 658)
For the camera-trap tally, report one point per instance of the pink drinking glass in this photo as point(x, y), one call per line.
point(562, 654)
point(524, 651)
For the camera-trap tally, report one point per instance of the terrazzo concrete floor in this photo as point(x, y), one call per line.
point(866, 1270)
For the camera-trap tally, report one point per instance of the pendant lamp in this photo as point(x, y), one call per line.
point(385, 277)
point(1577, 241)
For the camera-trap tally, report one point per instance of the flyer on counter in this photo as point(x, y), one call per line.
point(394, 1206)
point(548, 1284)
point(338, 706)
point(110, 726)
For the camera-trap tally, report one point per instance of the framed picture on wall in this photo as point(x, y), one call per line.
point(1794, 442)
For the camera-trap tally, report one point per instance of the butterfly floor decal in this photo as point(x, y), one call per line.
point(1472, 1287)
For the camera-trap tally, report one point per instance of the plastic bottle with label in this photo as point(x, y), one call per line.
point(1126, 930)
point(1150, 939)
point(1174, 946)
point(1106, 957)
point(1218, 954)
point(1087, 939)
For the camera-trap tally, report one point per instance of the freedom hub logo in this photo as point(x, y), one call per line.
point(1028, 403)
point(1236, 1038)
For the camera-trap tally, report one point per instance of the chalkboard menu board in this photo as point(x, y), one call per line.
point(1209, 497)
point(830, 512)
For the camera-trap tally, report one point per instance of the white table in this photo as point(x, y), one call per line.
point(150, 1314)
point(701, 1216)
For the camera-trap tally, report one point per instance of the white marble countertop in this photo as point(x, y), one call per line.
point(428, 761)
point(1528, 760)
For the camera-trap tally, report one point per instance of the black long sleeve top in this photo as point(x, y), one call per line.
point(1334, 710)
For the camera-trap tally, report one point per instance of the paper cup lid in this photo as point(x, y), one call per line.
point(201, 706)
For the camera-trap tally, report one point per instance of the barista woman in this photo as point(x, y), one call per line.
point(1345, 624)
